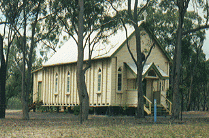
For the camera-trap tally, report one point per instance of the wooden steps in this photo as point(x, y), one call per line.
point(161, 111)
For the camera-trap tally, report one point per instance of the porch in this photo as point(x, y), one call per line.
point(164, 103)
point(155, 83)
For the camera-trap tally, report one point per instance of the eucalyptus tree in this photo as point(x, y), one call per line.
point(133, 17)
point(2, 80)
point(81, 86)
point(30, 27)
point(85, 22)
point(6, 39)
point(177, 32)
point(182, 6)
point(6, 68)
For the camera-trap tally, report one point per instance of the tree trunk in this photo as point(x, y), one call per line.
point(2, 80)
point(24, 93)
point(204, 98)
point(198, 103)
point(85, 101)
point(138, 60)
point(182, 5)
point(140, 106)
point(176, 72)
point(81, 86)
point(28, 82)
point(190, 92)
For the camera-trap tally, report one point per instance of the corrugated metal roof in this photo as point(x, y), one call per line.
point(68, 52)
point(134, 68)
point(162, 72)
point(146, 68)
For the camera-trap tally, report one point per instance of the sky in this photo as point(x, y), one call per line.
point(206, 45)
point(206, 42)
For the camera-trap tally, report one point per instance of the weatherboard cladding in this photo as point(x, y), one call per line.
point(62, 98)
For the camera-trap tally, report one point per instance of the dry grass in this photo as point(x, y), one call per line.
point(67, 125)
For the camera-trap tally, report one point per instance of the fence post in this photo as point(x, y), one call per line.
point(155, 110)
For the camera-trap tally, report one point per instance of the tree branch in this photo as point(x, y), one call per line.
point(195, 29)
point(68, 31)
point(3, 22)
point(48, 46)
point(47, 34)
point(8, 49)
point(148, 54)
point(17, 64)
point(144, 7)
point(129, 10)
point(129, 50)
point(135, 11)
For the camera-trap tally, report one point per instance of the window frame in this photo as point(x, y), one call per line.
point(119, 82)
point(68, 83)
point(99, 80)
point(56, 84)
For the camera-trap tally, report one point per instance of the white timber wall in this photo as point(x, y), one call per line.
point(63, 98)
point(109, 94)
point(122, 55)
point(37, 77)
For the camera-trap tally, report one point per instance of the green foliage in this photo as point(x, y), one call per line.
point(56, 16)
point(76, 110)
point(13, 84)
point(14, 103)
point(96, 18)
point(163, 20)
point(91, 108)
point(52, 109)
point(41, 108)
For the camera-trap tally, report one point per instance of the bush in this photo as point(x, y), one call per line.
point(41, 108)
point(14, 103)
point(76, 110)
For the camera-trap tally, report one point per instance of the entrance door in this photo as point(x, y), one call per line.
point(39, 91)
point(156, 95)
point(156, 91)
point(148, 89)
point(152, 91)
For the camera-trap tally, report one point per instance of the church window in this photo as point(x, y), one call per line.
point(68, 82)
point(119, 79)
point(56, 84)
point(99, 79)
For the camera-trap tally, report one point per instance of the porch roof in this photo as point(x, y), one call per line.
point(147, 67)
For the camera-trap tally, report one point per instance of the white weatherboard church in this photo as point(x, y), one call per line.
point(111, 80)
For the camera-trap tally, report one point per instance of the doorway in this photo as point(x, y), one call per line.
point(156, 90)
point(156, 95)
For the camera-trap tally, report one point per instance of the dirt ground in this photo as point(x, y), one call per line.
point(17, 114)
point(46, 124)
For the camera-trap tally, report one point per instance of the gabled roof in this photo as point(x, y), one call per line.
point(147, 67)
point(154, 38)
point(68, 52)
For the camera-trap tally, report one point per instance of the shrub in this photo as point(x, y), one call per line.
point(76, 110)
point(14, 103)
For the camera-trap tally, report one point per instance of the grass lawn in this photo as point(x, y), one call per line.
point(67, 125)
